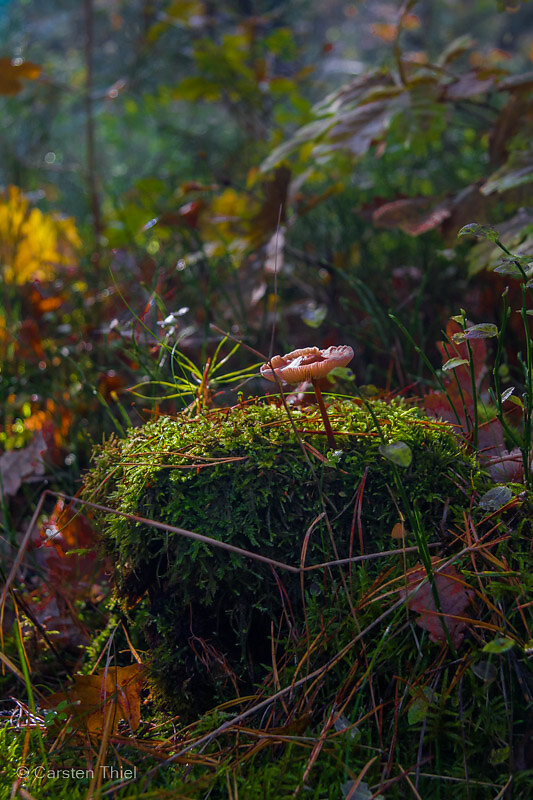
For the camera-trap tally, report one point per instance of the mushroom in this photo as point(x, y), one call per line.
point(309, 364)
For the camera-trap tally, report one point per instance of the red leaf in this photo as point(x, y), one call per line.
point(68, 577)
point(454, 597)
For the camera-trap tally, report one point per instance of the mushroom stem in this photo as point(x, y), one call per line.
point(322, 407)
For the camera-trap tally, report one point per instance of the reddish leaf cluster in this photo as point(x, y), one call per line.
point(69, 575)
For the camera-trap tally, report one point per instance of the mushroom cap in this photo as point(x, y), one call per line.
point(306, 364)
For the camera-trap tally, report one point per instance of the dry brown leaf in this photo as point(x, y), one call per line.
point(17, 466)
point(114, 690)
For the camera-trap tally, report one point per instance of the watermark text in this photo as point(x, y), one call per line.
point(106, 772)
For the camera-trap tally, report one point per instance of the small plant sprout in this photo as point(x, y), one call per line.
point(309, 364)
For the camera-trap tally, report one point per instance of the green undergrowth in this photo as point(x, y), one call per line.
point(330, 685)
point(253, 478)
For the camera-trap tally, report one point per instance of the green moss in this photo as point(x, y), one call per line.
point(245, 476)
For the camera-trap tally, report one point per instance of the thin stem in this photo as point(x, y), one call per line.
point(92, 188)
point(528, 394)
point(322, 407)
point(474, 387)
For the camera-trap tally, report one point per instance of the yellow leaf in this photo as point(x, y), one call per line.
point(33, 245)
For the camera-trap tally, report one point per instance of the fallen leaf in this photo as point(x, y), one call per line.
point(72, 572)
point(506, 466)
point(65, 531)
point(16, 466)
point(453, 595)
point(114, 690)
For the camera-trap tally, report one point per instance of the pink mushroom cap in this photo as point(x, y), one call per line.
point(306, 364)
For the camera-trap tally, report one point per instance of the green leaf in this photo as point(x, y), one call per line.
point(454, 362)
point(481, 231)
point(485, 330)
point(344, 373)
point(495, 498)
point(455, 49)
point(499, 755)
point(196, 87)
point(314, 315)
point(281, 43)
point(516, 401)
point(367, 390)
point(508, 269)
point(499, 645)
point(419, 707)
point(313, 130)
point(517, 171)
point(485, 670)
point(510, 265)
point(342, 723)
point(398, 452)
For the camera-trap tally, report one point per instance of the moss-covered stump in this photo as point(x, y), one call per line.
point(251, 477)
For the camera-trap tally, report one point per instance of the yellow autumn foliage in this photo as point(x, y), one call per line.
point(33, 244)
point(226, 231)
